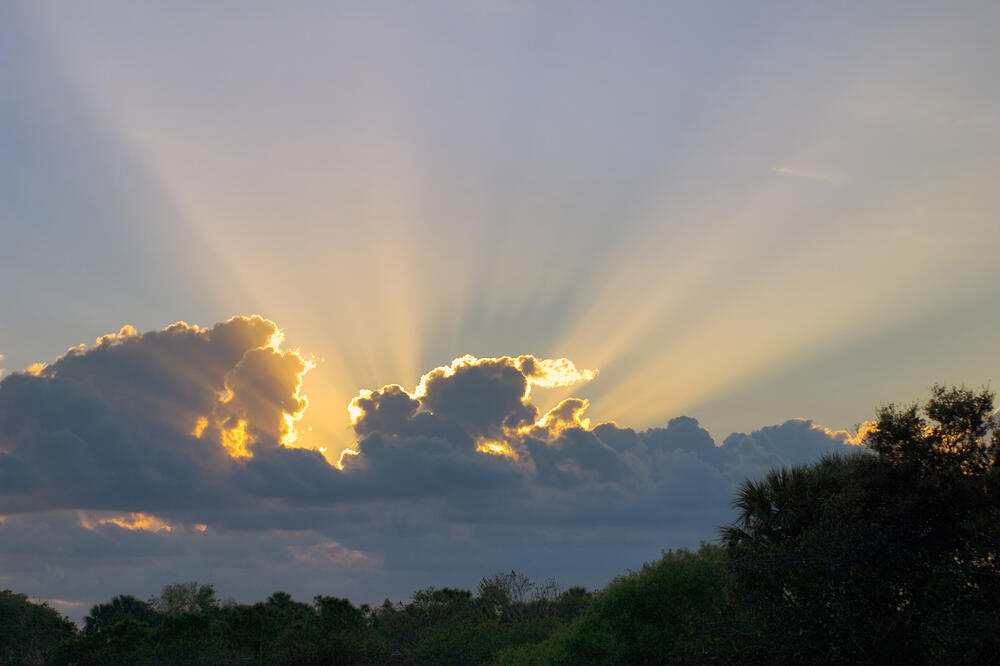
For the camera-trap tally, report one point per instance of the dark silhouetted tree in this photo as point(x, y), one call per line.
point(30, 633)
point(671, 611)
point(122, 607)
point(189, 597)
point(887, 555)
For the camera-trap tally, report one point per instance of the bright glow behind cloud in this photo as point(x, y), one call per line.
point(672, 226)
point(110, 449)
point(547, 373)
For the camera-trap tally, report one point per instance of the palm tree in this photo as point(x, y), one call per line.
point(122, 607)
point(774, 507)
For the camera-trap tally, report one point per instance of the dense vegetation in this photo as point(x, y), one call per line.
point(886, 556)
point(188, 625)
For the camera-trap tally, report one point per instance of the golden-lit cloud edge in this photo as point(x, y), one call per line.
point(133, 521)
point(468, 424)
point(233, 436)
point(540, 372)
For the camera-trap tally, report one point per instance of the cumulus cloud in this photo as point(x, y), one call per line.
point(174, 445)
point(146, 422)
point(471, 428)
point(471, 398)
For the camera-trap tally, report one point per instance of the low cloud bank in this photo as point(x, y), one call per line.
point(171, 449)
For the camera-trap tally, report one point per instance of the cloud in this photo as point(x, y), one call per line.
point(794, 442)
point(172, 449)
point(808, 174)
point(471, 429)
point(567, 414)
point(147, 422)
point(481, 397)
point(130, 521)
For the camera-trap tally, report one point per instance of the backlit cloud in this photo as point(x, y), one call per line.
point(471, 398)
point(130, 521)
point(477, 416)
point(179, 446)
point(146, 422)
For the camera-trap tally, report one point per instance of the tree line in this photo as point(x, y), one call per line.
point(888, 555)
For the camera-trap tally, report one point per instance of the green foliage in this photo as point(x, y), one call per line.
point(448, 626)
point(30, 633)
point(954, 431)
point(122, 607)
point(340, 631)
point(889, 555)
point(884, 557)
point(668, 612)
point(185, 598)
point(188, 638)
point(279, 630)
point(439, 626)
point(127, 641)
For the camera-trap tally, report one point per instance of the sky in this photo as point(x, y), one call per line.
point(557, 276)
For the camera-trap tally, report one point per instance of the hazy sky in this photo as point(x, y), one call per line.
point(739, 212)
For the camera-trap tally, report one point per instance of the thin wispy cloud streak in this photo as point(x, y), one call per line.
point(808, 174)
